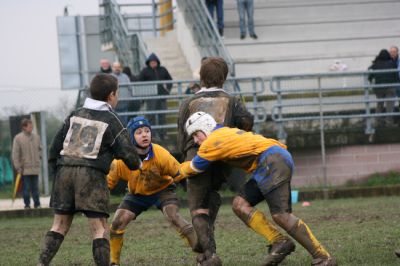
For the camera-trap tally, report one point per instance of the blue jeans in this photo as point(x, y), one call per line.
point(30, 186)
point(220, 12)
point(246, 6)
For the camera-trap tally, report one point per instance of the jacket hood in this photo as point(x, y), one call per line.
point(152, 57)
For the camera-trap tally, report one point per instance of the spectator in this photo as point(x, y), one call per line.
point(394, 54)
point(133, 106)
point(383, 61)
point(124, 90)
point(218, 5)
point(26, 158)
point(154, 72)
point(105, 66)
point(246, 6)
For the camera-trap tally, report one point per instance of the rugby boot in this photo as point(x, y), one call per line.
point(278, 251)
point(214, 260)
point(397, 252)
point(324, 262)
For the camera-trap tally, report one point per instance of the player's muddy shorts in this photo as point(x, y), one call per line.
point(137, 203)
point(271, 181)
point(80, 189)
point(202, 189)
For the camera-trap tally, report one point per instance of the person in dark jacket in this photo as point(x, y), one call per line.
point(79, 161)
point(383, 61)
point(154, 72)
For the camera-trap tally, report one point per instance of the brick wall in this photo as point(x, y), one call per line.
point(344, 163)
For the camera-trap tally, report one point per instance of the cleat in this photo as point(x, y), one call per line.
point(324, 262)
point(397, 252)
point(214, 260)
point(278, 251)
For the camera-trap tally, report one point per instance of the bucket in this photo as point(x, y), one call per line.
point(295, 196)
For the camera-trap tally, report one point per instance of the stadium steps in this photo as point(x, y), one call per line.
point(307, 36)
point(168, 49)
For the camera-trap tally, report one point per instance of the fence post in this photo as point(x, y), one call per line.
point(369, 130)
point(254, 88)
point(166, 20)
point(322, 134)
point(153, 13)
point(281, 131)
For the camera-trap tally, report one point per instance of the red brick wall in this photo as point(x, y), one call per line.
point(344, 163)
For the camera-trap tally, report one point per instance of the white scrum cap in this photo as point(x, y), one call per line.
point(200, 121)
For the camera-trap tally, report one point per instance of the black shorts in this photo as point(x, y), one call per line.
point(137, 203)
point(279, 199)
point(80, 189)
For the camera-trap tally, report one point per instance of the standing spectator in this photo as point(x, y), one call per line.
point(133, 106)
point(203, 197)
point(154, 72)
point(383, 61)
point(105, 66)
point(394, 54)
point(26, 158)
point(246, 6)
point(219, 6)
point(124, 90)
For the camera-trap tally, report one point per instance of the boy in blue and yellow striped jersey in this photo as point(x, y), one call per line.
point(271, 167)
point(152, 185)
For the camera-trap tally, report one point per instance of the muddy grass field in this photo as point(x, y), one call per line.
point(356, 231)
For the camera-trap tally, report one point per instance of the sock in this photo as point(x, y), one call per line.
point(116, 242)
point(188, 234)
point(201, 224)
point(101, 251)
point(52, 242)
point(302, 233)
point(259, 223)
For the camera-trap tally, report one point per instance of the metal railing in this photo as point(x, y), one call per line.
point(205, 31)
point(144, 92)
point(157, 19)
point(325, 96)
point(130, 48)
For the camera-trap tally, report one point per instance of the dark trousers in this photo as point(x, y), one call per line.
point(30, 185)
point(220, 12)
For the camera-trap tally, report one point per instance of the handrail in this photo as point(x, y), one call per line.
point(205, 31)
point(130, 47)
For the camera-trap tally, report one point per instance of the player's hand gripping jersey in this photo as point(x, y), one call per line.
point(232, 146)
point(156, 173)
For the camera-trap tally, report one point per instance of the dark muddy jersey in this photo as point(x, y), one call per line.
point(225, 108)
point(92, 136)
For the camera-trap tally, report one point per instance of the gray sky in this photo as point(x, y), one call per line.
point(30, 76)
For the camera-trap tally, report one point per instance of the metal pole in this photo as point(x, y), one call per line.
point(254, 87)
point(322, 133)
point(154, 18)
point(281, 130)
point(369, 130)
point(43, 136)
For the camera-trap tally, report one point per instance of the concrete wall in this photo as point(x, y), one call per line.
point(185, 38)
point(344, 163)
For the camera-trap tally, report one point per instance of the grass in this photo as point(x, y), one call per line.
point(356, 231)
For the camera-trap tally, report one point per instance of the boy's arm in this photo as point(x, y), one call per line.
point(56, 147)
point(123, 149)
point(114, 175)
point(242, 118)
point(193, 167)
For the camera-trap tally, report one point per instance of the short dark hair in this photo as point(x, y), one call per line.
point(25, 122)
point(102, 85)
point(213, 72)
